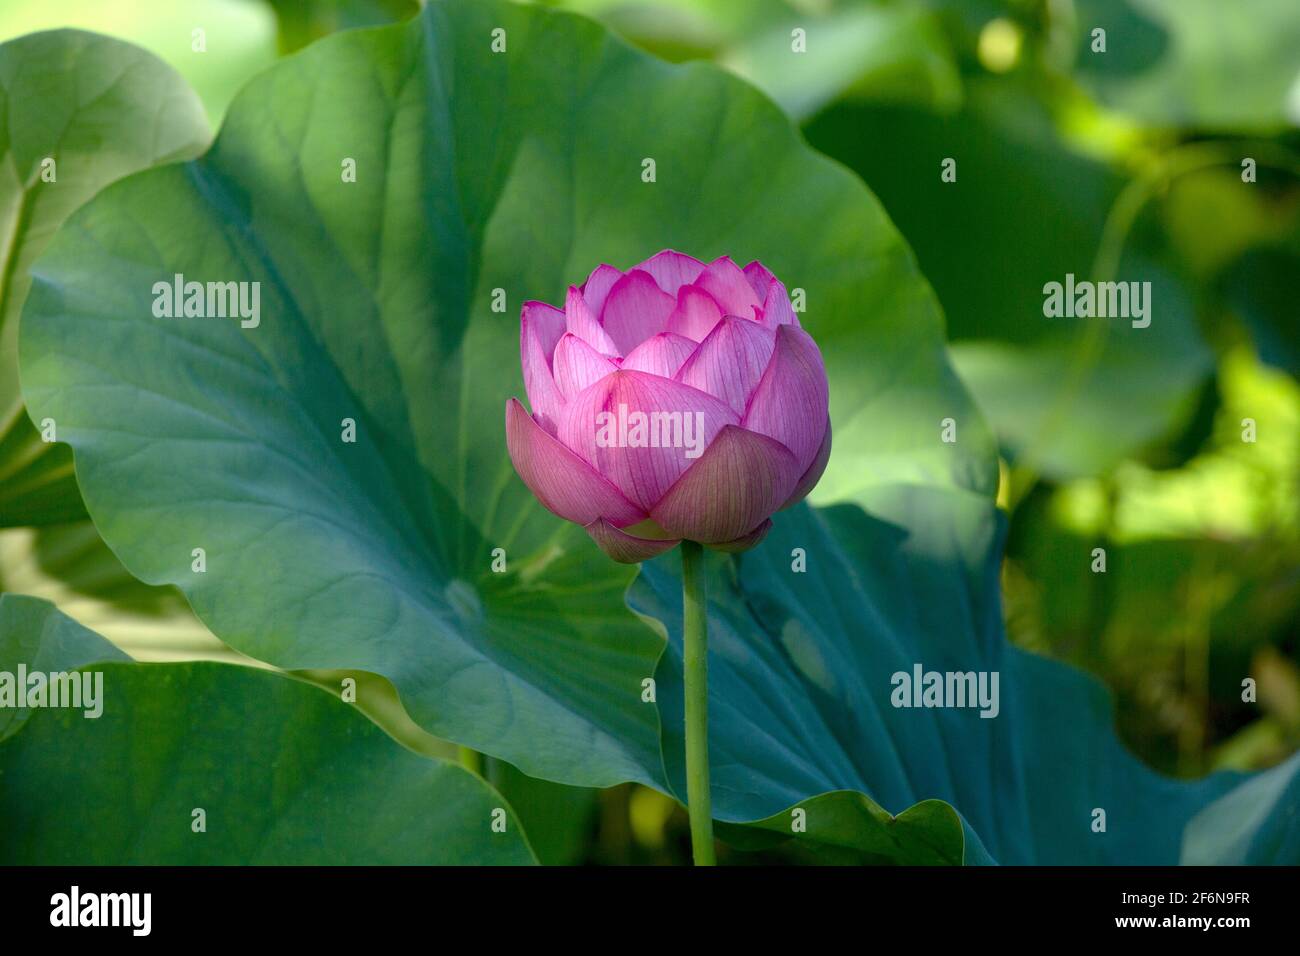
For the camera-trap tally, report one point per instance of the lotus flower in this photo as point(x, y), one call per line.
point(675, 401)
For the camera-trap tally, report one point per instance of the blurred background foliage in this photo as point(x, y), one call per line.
point(1124, 165)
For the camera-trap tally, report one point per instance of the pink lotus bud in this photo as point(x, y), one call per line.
point(672, 401)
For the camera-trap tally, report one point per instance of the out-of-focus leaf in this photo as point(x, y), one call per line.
point(1072, 396)
point(1212, 217)
point(864, 51)
point(1200, 575)
point(376, 306)
point(802, 55)
point(1262, 286)
point(283, 773)
point(1198, 63)
point(215, 44)
point(300, 22)
point(77, 112)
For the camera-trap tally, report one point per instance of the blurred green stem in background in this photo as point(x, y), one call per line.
point(1154, 181)
point(695, 658)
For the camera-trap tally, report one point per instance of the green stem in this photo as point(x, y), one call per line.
point(471, 760)
point(695, 658)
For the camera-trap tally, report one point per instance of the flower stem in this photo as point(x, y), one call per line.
point(695, 659)
point(471, 760)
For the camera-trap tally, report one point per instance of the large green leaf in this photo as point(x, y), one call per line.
point(284, 772)
point(475, 171)
point(1199, 63)
point(77, 111)
point(800, 685)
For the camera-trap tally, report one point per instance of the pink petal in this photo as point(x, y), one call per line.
point(730, 362)
point(760, 277)
point(581, 321)
point(596, 288)
point(563, 482)
point(745, 541)
point(546, 321)
point(642, 472)
point(662, 354)
point(791, 400)
point(540, 327)
point(626, 548)
point(578, 365)
point(672, 270)
point(776, 307)
point(736, 484)
point(814, 473)
point(635, 310)
point(696, 314)
point(730, 289)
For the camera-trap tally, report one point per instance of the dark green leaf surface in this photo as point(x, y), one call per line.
point(475, 171)
point(284, 772)
point(100, 109)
